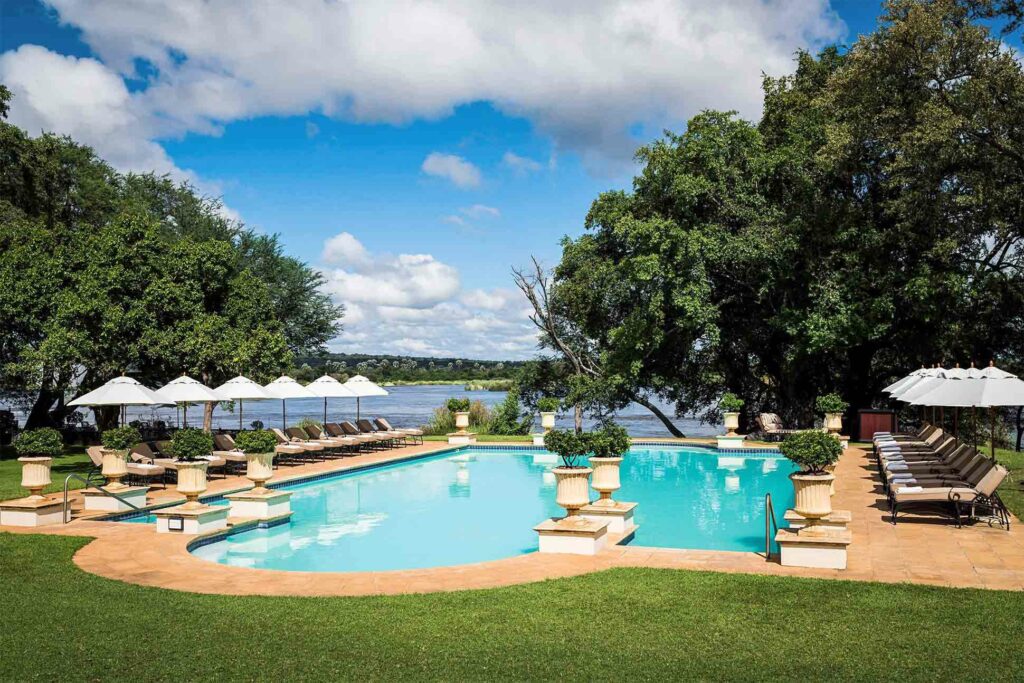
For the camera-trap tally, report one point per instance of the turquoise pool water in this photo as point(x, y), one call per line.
point(476, 505)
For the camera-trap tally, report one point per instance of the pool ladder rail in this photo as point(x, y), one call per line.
point(770, 525)
point(88, 482)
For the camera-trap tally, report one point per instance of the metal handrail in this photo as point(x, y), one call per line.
point(88, 483)
point(769, 524)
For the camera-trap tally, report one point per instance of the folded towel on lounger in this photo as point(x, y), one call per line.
point(910, 489)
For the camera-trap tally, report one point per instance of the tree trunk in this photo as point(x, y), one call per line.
point(661, 416)
point(39, 416)
point(579, 418)
point(207, 409)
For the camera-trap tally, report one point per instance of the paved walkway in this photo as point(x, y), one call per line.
point(918, 550)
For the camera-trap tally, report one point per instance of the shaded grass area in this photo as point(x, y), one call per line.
point(1012, 490)
point(74, 461)
point(63, 624)
point(486, 438)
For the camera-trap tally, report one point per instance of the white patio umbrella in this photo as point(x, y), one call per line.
point(902, 382)
point(121, 391)
point(927, 380)
point(284, 388)
point(360, 386)
point(987, 388)
point(186, 390)
point(242, 389)
point(328, 387)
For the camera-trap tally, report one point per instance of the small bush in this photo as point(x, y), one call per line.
point(611, 441)
point(479, 416)
point(458, 405)
point(831, 403)
point(40, 442)
point(256, 425)
point(569, 445)
point(120, 438)
point(730, 403)
point(308, 422)
point(256, 441)
point(508, 418)
point(548, 404)
point(812, 450)
point(190, 445)
point(442, 422)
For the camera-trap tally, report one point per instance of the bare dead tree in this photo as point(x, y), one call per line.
point(536, 287)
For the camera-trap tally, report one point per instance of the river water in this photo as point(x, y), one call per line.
point(405, 406)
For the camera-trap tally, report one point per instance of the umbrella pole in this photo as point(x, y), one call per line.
point(239, 414)
point(956, 422)
point(992, 417)
point(284, 416)
point(357, 408)
point(184, 409)
point(325, 410)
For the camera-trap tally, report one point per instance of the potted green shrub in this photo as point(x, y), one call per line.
point(117, 442)
point(832, 406)
point(36, 450)
point(459, 407)
point(571, 478)
point(548, 406)
point(608, 445)
point(259, 447)
point(731, 404)
point(814, 451)
point(191, 447)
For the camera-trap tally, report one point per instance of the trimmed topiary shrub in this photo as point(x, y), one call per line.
point(189, 445)
point(120, 438)
point(812, 450)
point(45, 442)
point(458, 405)
point(611, 441)
point(258, 441)
point(548, 404)
point(569, 445)
point(730, 403)
point(831, 403)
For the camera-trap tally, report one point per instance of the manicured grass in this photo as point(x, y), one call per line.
point(74, 461)
point(63, 624)
point(1012, 490)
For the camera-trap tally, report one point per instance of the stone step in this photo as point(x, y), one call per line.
point(818, 547)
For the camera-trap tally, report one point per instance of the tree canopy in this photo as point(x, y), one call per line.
point(869, 223)
point(104, 273)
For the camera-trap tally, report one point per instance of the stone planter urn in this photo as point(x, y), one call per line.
point(732, 423)
point(573, 490)
point(462, 421)
point(192, 481)
point(834, 422)
point(35, 475)
point(813, 494)
point(259, 468)
point(547, 421)
point(115, 466)
point(606, 479)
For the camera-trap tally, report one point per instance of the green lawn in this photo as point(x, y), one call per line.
point(75, 461)
point(63, 624)
point(486, 438)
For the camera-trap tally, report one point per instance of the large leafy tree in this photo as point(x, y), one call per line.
point(102, 273)
point(869, 223)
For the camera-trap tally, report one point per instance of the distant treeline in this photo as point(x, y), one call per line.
point(383, 368)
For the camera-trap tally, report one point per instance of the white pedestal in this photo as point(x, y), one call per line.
point(574, 535)
point(457, 439)
point(619, 516)
point(838, 520)
point(813, 546)
point(538, 439)
point(191, 521)
point(264, 505)
point(30, 512)
point(726, 441)
point(98, 501)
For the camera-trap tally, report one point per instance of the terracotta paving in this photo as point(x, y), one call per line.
point(918, 550)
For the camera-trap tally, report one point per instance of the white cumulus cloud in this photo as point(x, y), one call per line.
point(452, 167)
point(521, 165)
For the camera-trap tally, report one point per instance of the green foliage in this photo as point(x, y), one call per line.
point(508, 418)
point(120, 438)
point(307, 422)
point(457, 405)
point(569, 445)
point(256, 441)
point(610, 441)
point(548, 404)
point(191, 444)
point(443, 420)
point(813, 450)
point(730, 403)
point(869, 222)
point(831, 403)
point(41, 442)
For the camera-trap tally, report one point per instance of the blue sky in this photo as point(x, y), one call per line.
point(415, 153)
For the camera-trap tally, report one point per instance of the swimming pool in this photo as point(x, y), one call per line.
point(480, 504)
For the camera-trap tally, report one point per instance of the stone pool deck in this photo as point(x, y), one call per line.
point(918, 550)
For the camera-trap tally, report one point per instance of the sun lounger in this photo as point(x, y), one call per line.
point(954, 501)
point(771, 425)
point(300, 435)
point(165, 458)
point(350, 429)
point(367, 427)
point(308, 447)
point(225, 448)
point(415, 434)
point(139, 471)
point(344, 442)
